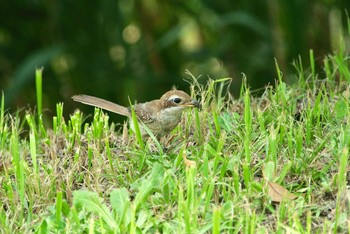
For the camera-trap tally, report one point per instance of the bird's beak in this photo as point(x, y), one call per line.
point(194, 103)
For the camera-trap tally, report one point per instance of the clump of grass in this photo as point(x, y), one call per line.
point(226, 168)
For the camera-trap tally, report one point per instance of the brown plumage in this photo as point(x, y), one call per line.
point(161, 116)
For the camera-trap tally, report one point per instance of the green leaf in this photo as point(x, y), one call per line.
point(43, 228)
point(91, 202)
point(120, 202)
point(153, 181)
point(269, 171)
point(341, 108)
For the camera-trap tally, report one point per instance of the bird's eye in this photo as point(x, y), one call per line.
point(177, 100)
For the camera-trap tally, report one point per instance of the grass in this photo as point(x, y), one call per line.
point(270, 164)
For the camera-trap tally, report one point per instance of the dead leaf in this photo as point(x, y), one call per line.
point(278, 193)
point(188, 162)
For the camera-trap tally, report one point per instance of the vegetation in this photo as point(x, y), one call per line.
point(277, 163)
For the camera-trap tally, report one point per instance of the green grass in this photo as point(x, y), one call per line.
point(213, 174)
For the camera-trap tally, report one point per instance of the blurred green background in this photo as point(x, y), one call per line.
point(141, 48)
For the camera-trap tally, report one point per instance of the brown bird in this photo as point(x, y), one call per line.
point(161, 116)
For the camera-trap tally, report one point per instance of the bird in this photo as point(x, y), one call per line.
point(161, 116)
